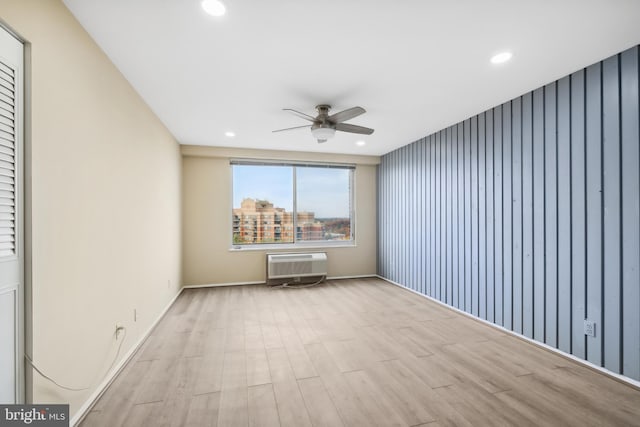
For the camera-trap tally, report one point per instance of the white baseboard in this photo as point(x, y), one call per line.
point(93, 398)
point(586, 363)
point(361, 276)
point(216, 285)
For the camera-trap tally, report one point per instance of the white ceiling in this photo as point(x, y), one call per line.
point(416, 66)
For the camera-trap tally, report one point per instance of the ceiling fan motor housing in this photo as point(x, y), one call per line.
point(324, 126)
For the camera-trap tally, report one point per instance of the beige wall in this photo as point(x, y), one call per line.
point(206, 192)
point(105, 200)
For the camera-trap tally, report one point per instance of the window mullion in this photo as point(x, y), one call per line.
point(295, 206)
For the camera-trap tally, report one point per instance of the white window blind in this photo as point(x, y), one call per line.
point(7, 161)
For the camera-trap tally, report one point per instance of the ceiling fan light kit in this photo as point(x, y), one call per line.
point(324, 126)
point(322, 133)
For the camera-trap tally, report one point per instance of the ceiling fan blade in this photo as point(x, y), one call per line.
point(301, 115)
point(345, 127)
point(345, 115)
point(295, 127)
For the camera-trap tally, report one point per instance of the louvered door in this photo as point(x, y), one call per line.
point(11, 282)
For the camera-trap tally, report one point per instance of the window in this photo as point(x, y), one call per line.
point(278, 203)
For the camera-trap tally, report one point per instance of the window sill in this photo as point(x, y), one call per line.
point(292, 246)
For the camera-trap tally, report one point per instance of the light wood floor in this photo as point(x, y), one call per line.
point(352, 353)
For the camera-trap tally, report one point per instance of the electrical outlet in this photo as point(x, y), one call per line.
point(135, 315)
point(589, 328)
point(168, 284)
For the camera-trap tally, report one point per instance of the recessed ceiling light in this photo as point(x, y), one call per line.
point(360, 143)
point(230, 134)
point(214, 7)
point(501, 57)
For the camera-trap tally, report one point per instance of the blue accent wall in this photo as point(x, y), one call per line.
point(528, 214)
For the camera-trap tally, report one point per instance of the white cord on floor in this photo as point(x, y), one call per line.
point(287, 285)
point(28, 359)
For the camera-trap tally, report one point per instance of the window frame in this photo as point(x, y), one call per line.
point(351, 242)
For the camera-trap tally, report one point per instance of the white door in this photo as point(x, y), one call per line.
point(11, 247)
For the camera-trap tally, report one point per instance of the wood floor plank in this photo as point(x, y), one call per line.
point(279, 366)
point(380, 411)
point(356, 352)
point(234, 407)
point(123, 388)
point(155, 385)
point(291, 407)
point(298, 357)
point(257, 368)
point(352, 411)
point(141, 415)
point(306, 332)
point(195, 344)
point(176, 404)
point(263, 411)
point(234, 374)
point(203, 410)
point(210, 374)
point(321, 359)
point(431, 401)
point(321, 409)
point(234, 338)
point(403, 400)
point(350, 355)
point(271, 336)
point(214, 341)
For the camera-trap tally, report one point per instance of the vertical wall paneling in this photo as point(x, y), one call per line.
point(538, 215)
point(564, 288)
point(518, 233)
point(414, 202)
point(506, 250)
point(421, 216)
point(442, 228)
point(528, 215)
point(496, 281)
point(429, 180)
point(402, 213)
point(443, 217)
point(550, 260)
point(432, 200)
point(450, 194)
point(593, 119)
point(468, 241)
point(612, 211)
point(460, 215)
point(482, 217)
point(475, 215)
point(391, 221)
point(578, 215)
point(630, 135)
point(406, 211)
point(489, 204)
point(455, 261)
point(437, 250)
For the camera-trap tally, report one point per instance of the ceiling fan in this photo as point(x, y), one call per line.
point(324, 126)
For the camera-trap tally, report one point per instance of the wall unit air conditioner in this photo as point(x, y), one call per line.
point(284, 266)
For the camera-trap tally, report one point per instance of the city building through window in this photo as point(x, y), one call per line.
point(277, 203)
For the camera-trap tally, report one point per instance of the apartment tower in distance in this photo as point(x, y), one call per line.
point(258, 221)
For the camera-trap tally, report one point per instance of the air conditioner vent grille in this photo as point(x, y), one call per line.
point(280, 266)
